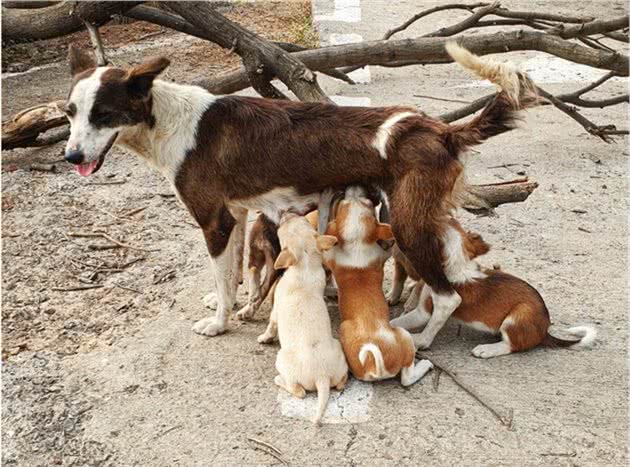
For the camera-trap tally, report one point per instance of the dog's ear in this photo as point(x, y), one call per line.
point(285, 259)
point(326, 242)
point(140, 78)
point(332, 229)
point(384, 232)
point(79, 60)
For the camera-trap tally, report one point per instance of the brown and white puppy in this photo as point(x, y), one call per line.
point(225, 155)
point(374, 349)
point(496, 302)
point(309, 358)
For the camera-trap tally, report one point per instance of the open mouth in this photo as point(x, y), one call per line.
point(92, 167)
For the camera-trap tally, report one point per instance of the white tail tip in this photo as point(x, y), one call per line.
point(587, 335)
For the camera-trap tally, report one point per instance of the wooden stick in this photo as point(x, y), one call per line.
point(77, 288)
point(107, 237)
point(268, 448)
point(505, 420)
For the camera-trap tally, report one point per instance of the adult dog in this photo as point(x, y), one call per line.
point(226, 154)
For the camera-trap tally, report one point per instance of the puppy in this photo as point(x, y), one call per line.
point(309, 358)
point(374, 349)
point(499, 303)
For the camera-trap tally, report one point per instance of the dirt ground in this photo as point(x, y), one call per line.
point(114, 375)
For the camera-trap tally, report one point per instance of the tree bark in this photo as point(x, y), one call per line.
point(64, 18)
point(259, 55)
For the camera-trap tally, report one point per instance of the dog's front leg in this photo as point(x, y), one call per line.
point(223, 235)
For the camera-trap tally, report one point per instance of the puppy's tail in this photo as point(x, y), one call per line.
point(517, 91)
point(585, 337)
point(379, 364)
point(323, 392)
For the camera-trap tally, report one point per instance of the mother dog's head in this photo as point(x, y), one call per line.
point(102, 102)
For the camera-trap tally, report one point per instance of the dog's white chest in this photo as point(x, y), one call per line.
point(274, 202)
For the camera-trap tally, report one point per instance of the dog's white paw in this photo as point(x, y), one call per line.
point(491, 350)
point(245, 313)
point(421, 342)
point(266, 338)
point(424, 366)
point(209, 327)
point(211, 300)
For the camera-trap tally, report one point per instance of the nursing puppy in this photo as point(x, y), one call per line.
point(495, 302)
point(374, 349)
point(309, 358)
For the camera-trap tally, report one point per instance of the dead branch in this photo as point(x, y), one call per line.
point(77, 288)
point(23, 129)
point(483, 199)
point(97, 43)
point(504, 420)
point(256, 52)
point(63, 18)
point(267, 448)
point(177, 23)
point(27, 4)
point(605, 132)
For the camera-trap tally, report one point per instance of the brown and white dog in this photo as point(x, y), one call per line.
point(225, 155)
point(374, 349)
point(494, 302)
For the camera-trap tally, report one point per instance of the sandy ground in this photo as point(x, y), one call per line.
point(114, 376)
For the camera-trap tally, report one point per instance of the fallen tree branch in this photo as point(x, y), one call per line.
point(20, 26)
point(97, 43)
point(483, 199)
point(24, 128)
point(255, 51)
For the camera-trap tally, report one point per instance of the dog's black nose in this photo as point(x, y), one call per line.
point(74, 156)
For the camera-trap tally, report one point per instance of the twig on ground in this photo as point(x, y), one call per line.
point(505, 420)
point(441, 99)
point(107, 237)
point(112, 182)
point(267, 448)
point(162, 277)
point(43, 167)
point(77, 288)
point(131, 289)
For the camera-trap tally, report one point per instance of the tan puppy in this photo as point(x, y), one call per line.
point(309, 358)
point(374, 349)
point(498, 303)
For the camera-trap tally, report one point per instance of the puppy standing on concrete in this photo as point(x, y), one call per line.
point(374, 349)
point(309, 358)
point(494, 302)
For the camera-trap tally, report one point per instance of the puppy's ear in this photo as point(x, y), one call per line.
point(140, 78)
point(79, 60)
point(332, 229)
point(285, 259)
point(384, 232)
point(326, 242)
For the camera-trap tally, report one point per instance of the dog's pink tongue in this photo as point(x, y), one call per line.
point(86, 169)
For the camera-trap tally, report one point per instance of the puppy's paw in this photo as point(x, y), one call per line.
point(266, 338)
point(491, 350)
point(424, 366)
point(209, 327)
point(421, 342)
point(246, 313)
point(211, 300)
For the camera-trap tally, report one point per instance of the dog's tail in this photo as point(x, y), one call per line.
point(585, 337)
point(323, 392)
point(379, 364)
point(517, 91)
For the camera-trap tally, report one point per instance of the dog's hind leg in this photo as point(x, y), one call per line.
point(222, 233)
point(253, 298)
point(295, 389)
point(414, 373)
point(400, 275)
point(272, 329)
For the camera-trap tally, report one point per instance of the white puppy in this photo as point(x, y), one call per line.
point(309, 358)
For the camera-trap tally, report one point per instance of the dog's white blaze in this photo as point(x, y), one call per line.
point(457, 266)
point(384, 131)
point(350, 406)
point(273, 202)
point(177, 110)
point(91, 141)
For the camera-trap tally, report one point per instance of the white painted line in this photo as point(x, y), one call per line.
point(347, 11)
point(362, 75)
point(352, 101)
point(350, 406)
